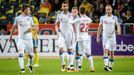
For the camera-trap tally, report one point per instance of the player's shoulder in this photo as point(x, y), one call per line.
point(103, 16)
point(18, 17)
point(115, 17)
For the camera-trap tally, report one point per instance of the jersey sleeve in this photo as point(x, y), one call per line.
point(58, 18)
point(116, 21)
point(90, 20)
point(73, 21)
point(15, 21)
point(101, 20)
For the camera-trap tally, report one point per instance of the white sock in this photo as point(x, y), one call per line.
point(106, 59)
point(111, 62)
point(71, 59)
point(81, 60)
point(21, 61)
point(62, 58)
point(90, 59)
point(78, 62)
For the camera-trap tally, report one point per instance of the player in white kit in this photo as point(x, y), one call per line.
point(24, 22)
point(81, 26)
point(107, 24)
point(65, 37)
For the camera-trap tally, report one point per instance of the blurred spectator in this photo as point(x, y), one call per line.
point(97, 4)
point(56, 6)
point(45, 6)
point(128, 19)
point(96, 19)
point(87, 6)
point(3, 32)
point(100, 11)
point(77, 3)
point(42, 19)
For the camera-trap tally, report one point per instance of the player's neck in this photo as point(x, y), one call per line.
point(24, 14)
point(65, 12)
point(82, 15)
point(109, 15)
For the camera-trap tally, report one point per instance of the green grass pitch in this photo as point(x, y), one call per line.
point(122, 66)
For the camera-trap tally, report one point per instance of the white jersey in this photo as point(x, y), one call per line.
point(82, 26)
point(24, 23)
point(109, 25)
point(64, 21)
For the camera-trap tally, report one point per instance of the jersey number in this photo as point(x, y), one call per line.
point(84, 27)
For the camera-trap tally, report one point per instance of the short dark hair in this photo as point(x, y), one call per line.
point(24, 7)
point(82, 10)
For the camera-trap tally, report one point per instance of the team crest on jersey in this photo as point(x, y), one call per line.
point(105, 21)
point(28, 19)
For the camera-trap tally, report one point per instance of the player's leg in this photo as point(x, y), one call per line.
point(21, 46)
point(111, 60)
point(70, 43)
point(106, 45)
point(79, 55)
point(61, 44)
point(29, 46)
point(112, 47)
point(87, 48)
point(36, 56)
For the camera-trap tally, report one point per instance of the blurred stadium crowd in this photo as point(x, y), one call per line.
point(46, 10)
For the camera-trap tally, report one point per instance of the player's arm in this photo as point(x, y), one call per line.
point(13, 29)
point(118, 29)
point(99, 30)
point(118, 26)
point(57, 24)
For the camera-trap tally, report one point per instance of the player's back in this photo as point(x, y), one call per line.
point(82, 27)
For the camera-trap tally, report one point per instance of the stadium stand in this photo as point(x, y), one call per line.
point(48, 9)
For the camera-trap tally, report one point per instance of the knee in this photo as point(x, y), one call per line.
point(106, 51)
point(88, 55)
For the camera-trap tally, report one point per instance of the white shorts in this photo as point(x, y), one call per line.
point(24, 44)
point(66, 40)
point(109, 43)
point(83, 47)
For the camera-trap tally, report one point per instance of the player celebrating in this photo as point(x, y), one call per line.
point(65, 32)
point(24, 22)
point(107, 24)
point(81, 26)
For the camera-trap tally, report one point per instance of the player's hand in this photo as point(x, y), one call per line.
point(10, 38)
point(118, 33)
point(98, 40)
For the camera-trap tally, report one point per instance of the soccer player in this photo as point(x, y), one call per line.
point(25, 24)
point(83, 45)
point(65, 37)
point(35, 40)
point(107, 24)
